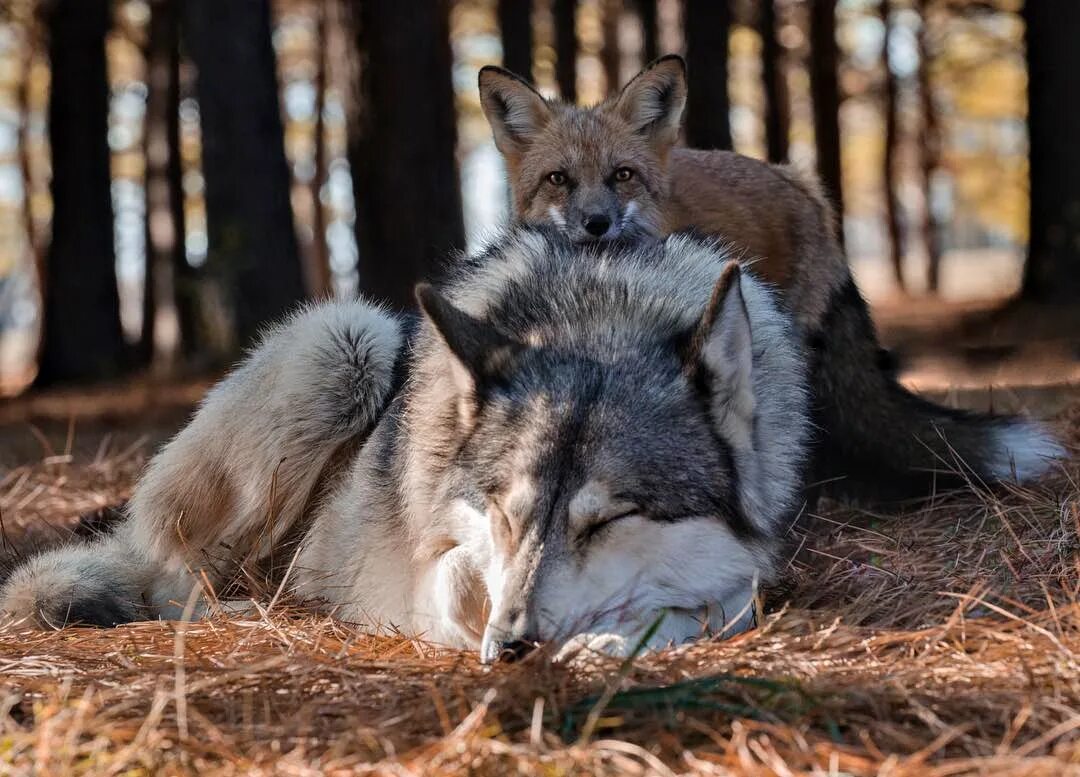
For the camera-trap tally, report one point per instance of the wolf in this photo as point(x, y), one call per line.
point(598, 447)
point(614, 171)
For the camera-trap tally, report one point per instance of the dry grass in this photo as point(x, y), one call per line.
point(941, 641)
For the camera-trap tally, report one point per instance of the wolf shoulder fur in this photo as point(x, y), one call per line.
point(588, 437)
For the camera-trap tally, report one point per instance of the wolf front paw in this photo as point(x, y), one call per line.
point(584, 646)
point(673, 628)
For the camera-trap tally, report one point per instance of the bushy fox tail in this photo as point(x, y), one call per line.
point(879, 441)
point(234, 482)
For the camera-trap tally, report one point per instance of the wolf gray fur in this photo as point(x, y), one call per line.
point(617, 164)
point(588, 437)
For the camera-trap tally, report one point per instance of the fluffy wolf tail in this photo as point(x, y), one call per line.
point(878, 441)
point(235, 482)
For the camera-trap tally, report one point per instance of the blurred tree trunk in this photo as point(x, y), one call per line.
point(408, 199)
point(515, 26)
point(319, 282)
point(706, 25)
point(82, 335)
point(185, 278)
point(825, 92)
point(1053, 266)
point(888, 163)
point(252, 239)
point(161, 146)
point(929, 150)
point(33, 236)
point(610, 55)
point(774, 79)
point(565, 19)
point(650, 29)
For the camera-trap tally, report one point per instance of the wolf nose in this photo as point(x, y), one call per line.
point(514, 650)
point(597, 225)
point(506, 651)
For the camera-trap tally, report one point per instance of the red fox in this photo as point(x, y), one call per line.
point(614, 172)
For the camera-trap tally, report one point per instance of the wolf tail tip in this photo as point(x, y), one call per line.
point(1026, 450)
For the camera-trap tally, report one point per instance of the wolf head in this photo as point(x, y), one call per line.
point(623, 429)
point(597, 173)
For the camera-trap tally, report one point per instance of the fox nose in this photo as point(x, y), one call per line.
point(597, 224)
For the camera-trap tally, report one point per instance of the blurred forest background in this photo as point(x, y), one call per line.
point(174, 173)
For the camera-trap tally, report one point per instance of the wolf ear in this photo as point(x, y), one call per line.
point(480, 351)
point(654, 100)
point(515, 111)
point(720, 352)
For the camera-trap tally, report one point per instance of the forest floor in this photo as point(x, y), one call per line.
point(943, 640)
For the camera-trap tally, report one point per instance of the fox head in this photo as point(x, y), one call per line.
point(596, 173)
point(603, 435)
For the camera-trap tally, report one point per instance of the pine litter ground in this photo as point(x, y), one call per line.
point(941, 641)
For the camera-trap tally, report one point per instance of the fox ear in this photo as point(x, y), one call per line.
point(515, 111)
point(720, 353)
point(654, 100)
point(479, 350)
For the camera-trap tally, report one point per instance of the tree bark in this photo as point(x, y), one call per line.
point(319, 282)
point(252, 239)
point(185, 278)
point(610, 55)
point(408, 198)
point(774, 78)
point(825, 92)
point(565, 18)
point(1052, 274)
point(33, 237)
point(161, 146)
point(929, 151)
point(515, 27)
point(888, 162)
point(83, 339)
point(707, 24)
point(650, 29)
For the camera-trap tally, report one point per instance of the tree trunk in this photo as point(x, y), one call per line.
point(408, 198)
point(929, 151)
point(707, 24)
point(164, 233)
point(82, 335)
point(650, 29)
point(515, 26)
point(185, 278)
point(1052, 274)
point(774, 78)
point(252, 239)
point(888, 170)
point(33, 237)
point(610, 55)
point(319, 282)
point(825, 92)
point(565, 19)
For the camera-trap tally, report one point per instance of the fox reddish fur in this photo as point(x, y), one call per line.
point(614, 171)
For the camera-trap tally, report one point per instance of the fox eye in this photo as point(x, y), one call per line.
point(557, 178)
point(623, 174)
